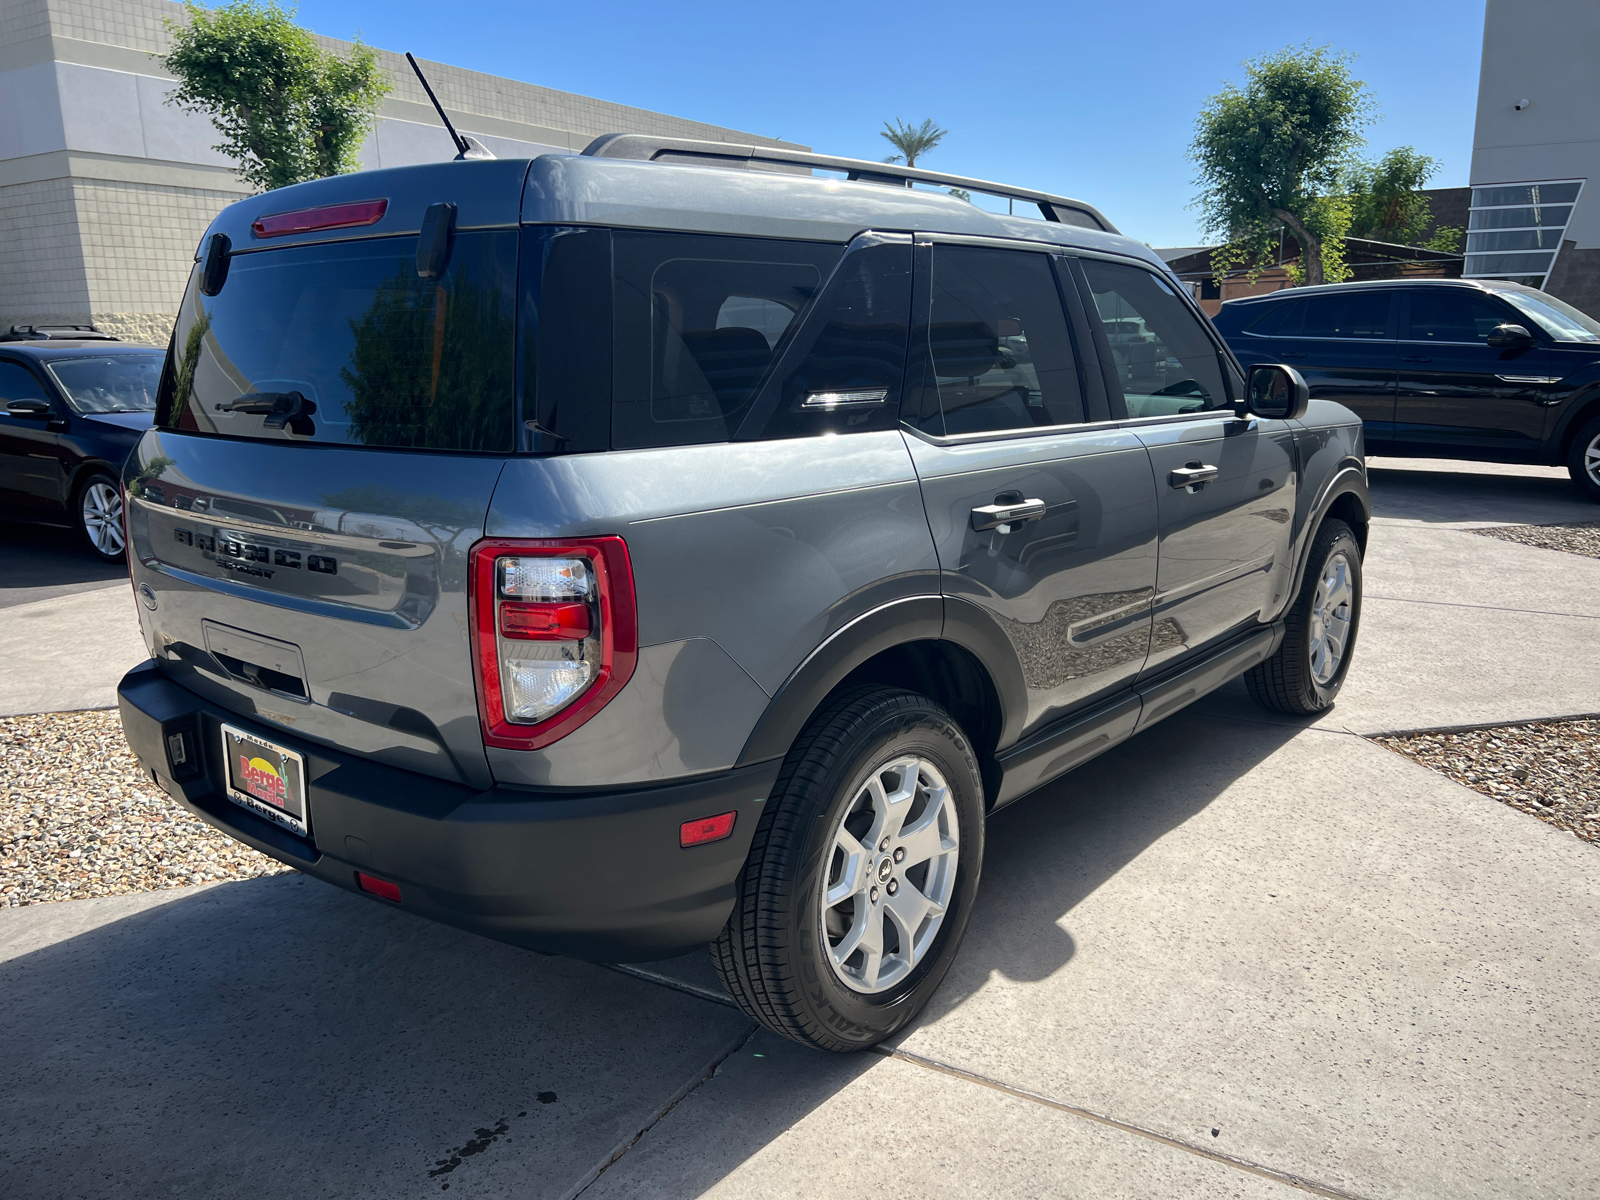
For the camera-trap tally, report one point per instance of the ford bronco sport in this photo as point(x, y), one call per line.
point(682, 543)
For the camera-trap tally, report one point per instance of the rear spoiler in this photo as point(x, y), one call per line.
point(728, 154)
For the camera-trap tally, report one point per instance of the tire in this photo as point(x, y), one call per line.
point(844, 777)
point(97, 513)
point(1583, 460)
point(1309, 668)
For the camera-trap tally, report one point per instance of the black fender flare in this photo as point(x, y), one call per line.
point(911, 619)
point(1349, 479)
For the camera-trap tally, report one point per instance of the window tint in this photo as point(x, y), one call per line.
point(110, 383)
point(1164, 358)
point(386, 357)
point(1339, 315)
point(850, 354)
point(1274, 316)
point(1453, 315)
point(1000, 350)
point(18, 383)
point(699, 322)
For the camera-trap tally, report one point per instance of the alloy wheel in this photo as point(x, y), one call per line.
point(1331, 610)
point(1591, 460)
point(891, 874)
point(102, 517)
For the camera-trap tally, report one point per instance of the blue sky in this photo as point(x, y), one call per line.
point(1091, 100)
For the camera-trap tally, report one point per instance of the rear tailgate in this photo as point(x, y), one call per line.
point(320, 588)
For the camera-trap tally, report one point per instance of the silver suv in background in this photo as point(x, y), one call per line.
point(682, 543)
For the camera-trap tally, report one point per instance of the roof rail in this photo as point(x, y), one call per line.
point(28, 333)
point(728, 154)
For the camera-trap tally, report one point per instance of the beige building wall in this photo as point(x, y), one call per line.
point(105, 189)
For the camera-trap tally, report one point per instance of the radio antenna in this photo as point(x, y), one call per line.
point(461, 143)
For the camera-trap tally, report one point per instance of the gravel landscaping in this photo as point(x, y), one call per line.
point(1582, 538)
point(77, 818)
point(1550, 769)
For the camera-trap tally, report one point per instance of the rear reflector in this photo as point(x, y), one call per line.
point(378, 887)
point(707, 829)
point(545, 622)
point(331, 216)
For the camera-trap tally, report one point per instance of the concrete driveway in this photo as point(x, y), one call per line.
point(1238, 956)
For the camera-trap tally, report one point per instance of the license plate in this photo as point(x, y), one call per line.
point(265, 778)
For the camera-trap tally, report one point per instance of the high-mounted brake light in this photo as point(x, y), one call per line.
point(329, 216)
point(554, 634)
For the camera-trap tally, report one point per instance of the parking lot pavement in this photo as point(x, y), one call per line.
point(1238, 955)
point(1432, 491)
point(38, 562)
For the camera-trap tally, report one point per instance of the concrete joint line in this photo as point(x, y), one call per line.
point(1298, 1182)
point(1532, 612)
point(667, 981)
point(728, 1050)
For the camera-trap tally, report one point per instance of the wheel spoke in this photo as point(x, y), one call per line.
point(922, 839)
point(852, 878)
point(908, 908)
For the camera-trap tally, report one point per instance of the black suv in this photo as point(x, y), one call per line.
point(1441, 368)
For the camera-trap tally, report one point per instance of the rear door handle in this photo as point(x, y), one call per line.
point(1292, 354)
point(1192, 476)
point(1002, 516)
point(1415, 358)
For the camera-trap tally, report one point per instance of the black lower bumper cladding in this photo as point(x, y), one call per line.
point(593, 874)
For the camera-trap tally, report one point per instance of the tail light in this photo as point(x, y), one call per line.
point(554, 635)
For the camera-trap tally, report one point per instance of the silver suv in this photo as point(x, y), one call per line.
point(682, 543)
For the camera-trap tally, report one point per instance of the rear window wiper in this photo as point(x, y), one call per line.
point(280, 409)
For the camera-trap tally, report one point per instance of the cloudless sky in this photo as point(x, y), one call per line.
point(1091, 100)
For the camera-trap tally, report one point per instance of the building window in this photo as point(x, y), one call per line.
point(1515, 229)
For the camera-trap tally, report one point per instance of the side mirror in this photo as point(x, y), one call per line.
point(37, 409)
point(1276, 391)
point(1507, 336)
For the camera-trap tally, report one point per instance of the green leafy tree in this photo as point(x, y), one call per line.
point(287, 109)
point(1387, 203)
point(912, 141)
point(1273, 154)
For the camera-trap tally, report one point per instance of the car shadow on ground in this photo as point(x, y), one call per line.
point(38, 562)
point(309, 1039)
point(1409, 490)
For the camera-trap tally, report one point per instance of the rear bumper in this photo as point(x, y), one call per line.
point(591, 874)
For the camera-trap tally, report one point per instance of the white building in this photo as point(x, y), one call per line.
point(1536, 149)
point(105, 188)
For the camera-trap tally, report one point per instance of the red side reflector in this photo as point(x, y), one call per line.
point(378, 887)
point(545, 622)
point(331, 216)
point(707, 829)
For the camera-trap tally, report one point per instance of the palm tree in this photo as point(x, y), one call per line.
point(913, 141)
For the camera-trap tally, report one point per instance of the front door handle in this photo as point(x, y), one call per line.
point(1292, 354)
point(1004, 516)
point(1192, 475)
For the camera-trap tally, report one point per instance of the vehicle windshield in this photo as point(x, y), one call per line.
point(1556, 317)
point(110, 383)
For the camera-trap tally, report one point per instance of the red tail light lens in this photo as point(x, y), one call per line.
point(330, 216)
point(707, 829)
point(378, 887)
point(554, 634)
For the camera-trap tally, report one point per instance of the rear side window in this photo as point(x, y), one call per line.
point(699, 322)
point(1164, 358)
point(376, 355)
point(1339, 315)
point(1271, 317)
point(998, 343)
point(1452, 315)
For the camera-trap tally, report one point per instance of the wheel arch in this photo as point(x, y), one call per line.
point(1578, 414)
point(946, 649)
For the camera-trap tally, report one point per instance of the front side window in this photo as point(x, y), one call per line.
point(1556, 317)
point(345, 342)
point(110, 383)
point(1164, 359)
point(1452, 315)
point(998, 342)
point(699, 322)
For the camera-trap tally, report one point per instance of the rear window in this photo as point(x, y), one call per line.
point(344, 342)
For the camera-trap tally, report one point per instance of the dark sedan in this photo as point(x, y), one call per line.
point(70, 410)
point(1441, 368)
